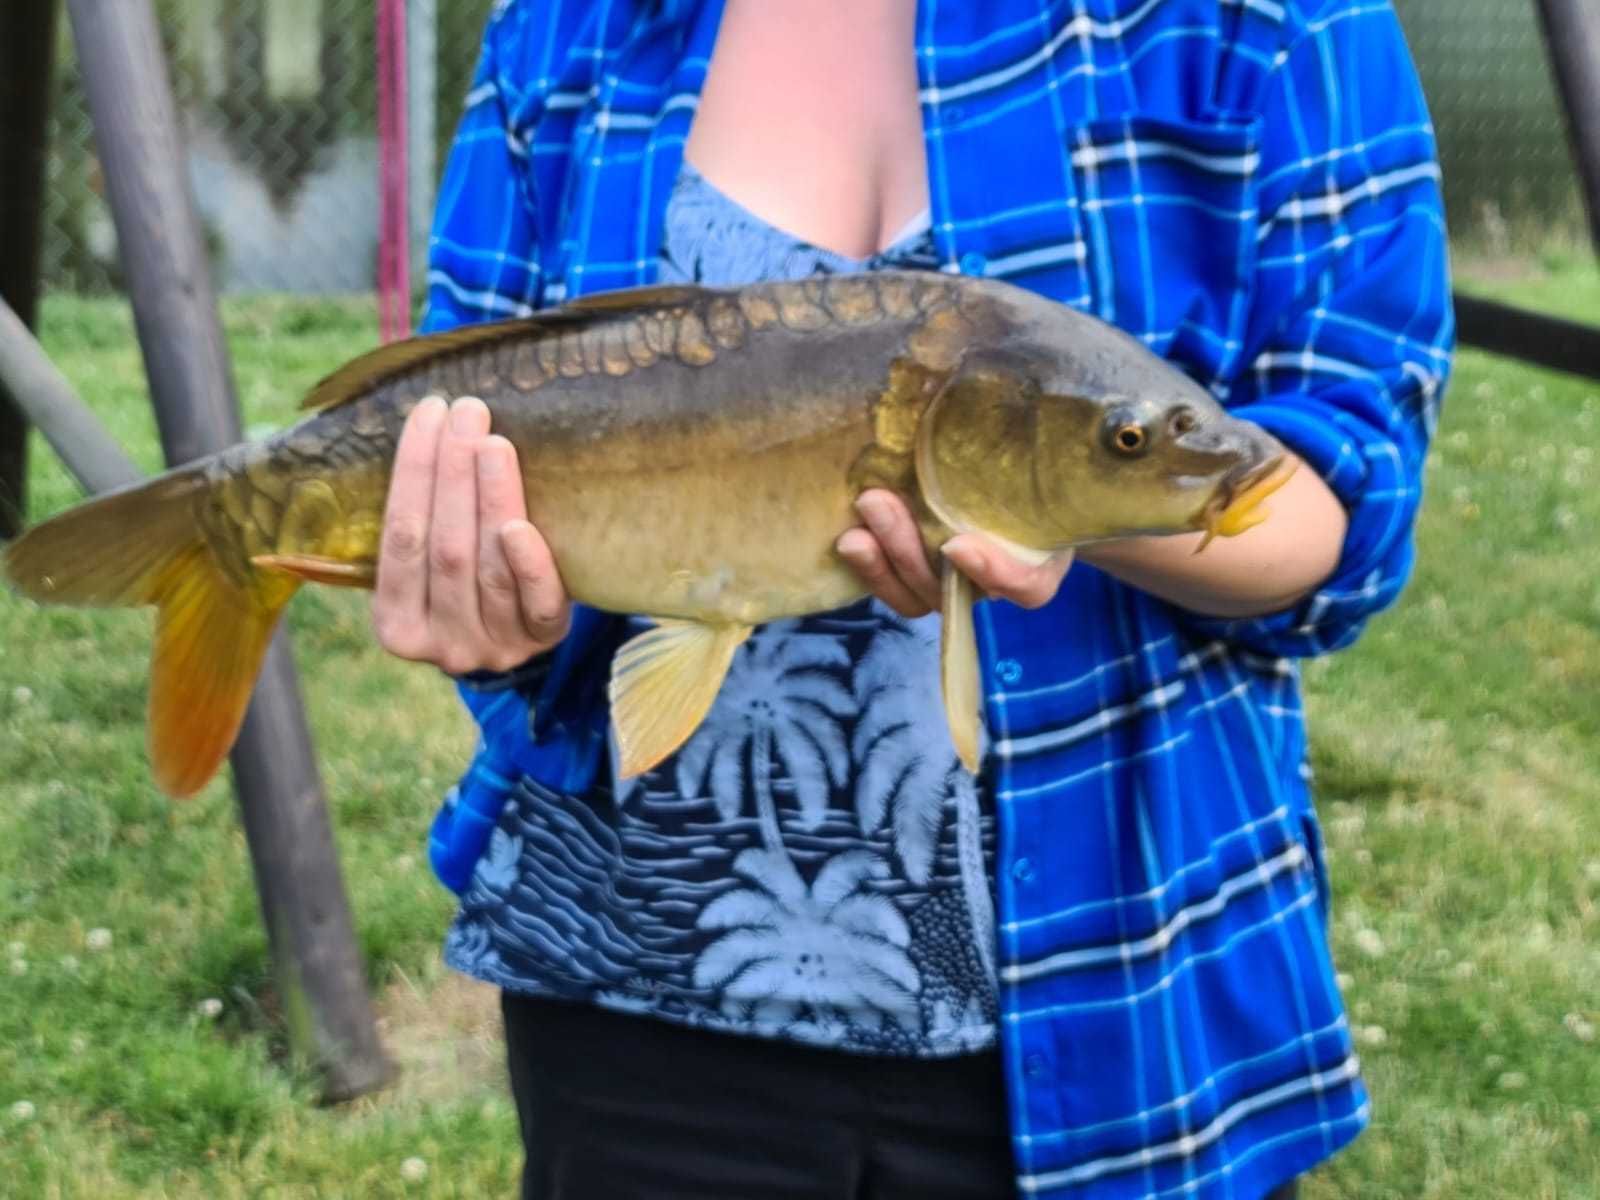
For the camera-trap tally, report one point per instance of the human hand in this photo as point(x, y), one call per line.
point(465, 581)
point(886, 551)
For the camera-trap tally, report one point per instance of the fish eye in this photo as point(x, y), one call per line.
point(1183, 420)
point(1129, 438)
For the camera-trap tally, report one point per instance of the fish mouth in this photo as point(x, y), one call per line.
point(1237, 505)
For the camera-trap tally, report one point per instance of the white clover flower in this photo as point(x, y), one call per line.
point(69, 963)
point(210, 1008)
point(97, 939)
point(1591, 870)
point(1512, 1080)
point(414, 1170)
point(19, 966)
point(22, 693)
point(78, 1043)
point(16, 949)
point(22, 1110)
point(1369, 943)
point(1578, 1027)
point(1565, 518)
point(1371, 1035)
point(1345, 982)
point(1465, 969)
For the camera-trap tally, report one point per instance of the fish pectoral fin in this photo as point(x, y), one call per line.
point(314, 568)
point(958, 666)
point(663, 683)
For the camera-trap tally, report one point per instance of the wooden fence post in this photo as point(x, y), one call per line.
point(27, 57)
point(317, 964)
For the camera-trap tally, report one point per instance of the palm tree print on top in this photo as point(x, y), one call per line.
point(813, 864)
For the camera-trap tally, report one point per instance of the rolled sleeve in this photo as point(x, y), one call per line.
point(1351, 329)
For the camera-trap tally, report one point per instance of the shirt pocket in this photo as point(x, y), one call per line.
point(1169, 218)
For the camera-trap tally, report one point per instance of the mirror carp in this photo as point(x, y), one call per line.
point(690, 454)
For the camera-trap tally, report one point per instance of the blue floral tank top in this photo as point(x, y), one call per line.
point(813, 864)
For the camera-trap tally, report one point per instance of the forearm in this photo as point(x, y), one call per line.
point(1262, 570)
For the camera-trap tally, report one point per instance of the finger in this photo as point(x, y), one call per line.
point(887, 516)
point(400, 596)
point(453, 530)
point(499, 500)
point(1002, 576)
point(861, 551)
point(545, 607)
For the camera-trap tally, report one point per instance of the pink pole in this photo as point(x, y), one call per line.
point(394, 234)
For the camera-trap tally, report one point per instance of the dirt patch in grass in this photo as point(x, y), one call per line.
point(445, 1035)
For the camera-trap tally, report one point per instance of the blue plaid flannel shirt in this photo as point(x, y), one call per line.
point(1248, 186)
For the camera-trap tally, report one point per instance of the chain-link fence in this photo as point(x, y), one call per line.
point(1510, 182)
point(279, 100)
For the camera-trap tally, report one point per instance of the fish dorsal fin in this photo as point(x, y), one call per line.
point(362, 374)
point(665, 295)
point(663, 683)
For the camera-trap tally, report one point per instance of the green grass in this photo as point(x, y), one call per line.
point(1456, 752)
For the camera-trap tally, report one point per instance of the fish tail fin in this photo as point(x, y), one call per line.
point(142, 545)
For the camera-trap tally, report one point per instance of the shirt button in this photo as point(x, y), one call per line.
point(973, 263)
point(1035, 1065)
point(1008, 670)
point(1022, 870)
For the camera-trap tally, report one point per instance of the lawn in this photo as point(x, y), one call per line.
point(1458, 766)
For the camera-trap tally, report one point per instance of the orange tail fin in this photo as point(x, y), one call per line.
point(141, 545)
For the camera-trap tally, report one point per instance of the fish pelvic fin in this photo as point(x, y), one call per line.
point(314, 568)
point(663, 682)
point(142, 545)
point(958, 666)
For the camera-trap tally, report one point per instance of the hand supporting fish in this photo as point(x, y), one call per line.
point(687, 453)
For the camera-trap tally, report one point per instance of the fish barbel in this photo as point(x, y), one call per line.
point(689, 454)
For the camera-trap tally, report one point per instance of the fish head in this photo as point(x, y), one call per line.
point(1050, 443)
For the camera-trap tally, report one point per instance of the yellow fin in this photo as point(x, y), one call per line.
point(663, 683)
point(141, 545)
point(211, 636)
point(314, 568)
point(958, 666)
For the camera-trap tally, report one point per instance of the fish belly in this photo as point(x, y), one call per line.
point(743, 540)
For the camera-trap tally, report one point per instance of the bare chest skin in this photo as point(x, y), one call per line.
point(809, 118)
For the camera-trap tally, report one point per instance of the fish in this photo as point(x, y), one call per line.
point(690, 454)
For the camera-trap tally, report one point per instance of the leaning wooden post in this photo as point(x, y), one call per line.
point(1572, 36)
point(27, 57)
point(318, 967)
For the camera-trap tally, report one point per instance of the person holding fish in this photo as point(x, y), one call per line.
point(887, 786)
point(809, 953)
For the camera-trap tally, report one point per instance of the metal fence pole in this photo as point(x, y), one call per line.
point(422, 121)
point(27, 58)
point(1572, 35)
point(317, 964)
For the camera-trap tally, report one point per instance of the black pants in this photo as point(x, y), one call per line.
point(627, 1108)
